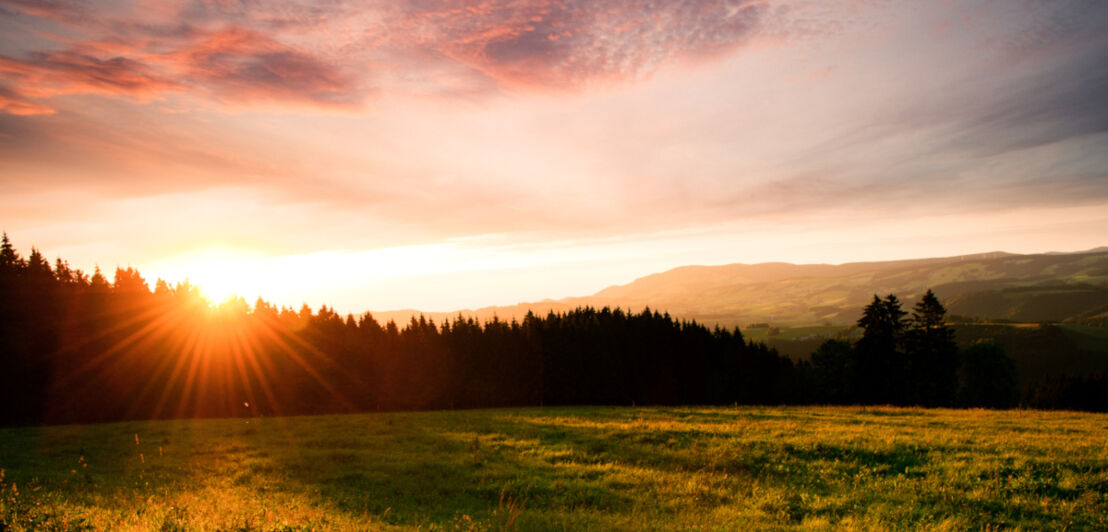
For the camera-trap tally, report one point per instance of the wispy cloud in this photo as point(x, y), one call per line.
point(557, 45)
point(336, 54)
point(46, 74)
point(49, 9)
point(241, 65)
point(17, 104)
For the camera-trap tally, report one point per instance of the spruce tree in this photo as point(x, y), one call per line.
point(880, 359)
point(932, 354)
point(98, 282)
point(10, 261)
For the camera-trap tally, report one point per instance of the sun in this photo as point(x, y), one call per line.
point(220, 273)
point(218, 289)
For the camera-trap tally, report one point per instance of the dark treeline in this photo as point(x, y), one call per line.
point(1070, 392)
point(77, 348)
point(913, 359)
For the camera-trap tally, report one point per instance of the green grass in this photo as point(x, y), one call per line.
point(567, 469)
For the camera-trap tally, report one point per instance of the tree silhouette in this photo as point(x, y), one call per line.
point(78, 348)
point(932, 354)
point(880, 358)
point(10, 262)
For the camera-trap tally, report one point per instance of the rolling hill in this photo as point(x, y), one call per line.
point(996, 285)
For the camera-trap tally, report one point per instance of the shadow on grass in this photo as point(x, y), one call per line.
point(601, 467)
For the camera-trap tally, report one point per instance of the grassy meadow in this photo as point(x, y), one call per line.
point(597, 468)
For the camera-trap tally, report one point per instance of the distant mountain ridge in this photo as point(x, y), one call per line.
point(995, 285)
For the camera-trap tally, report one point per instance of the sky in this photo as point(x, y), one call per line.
point(443, 155)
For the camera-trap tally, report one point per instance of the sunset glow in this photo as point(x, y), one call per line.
point(453, 155)
point(553, 265)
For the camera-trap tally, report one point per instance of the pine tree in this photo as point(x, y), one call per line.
point(98, 282)
point(932, 354)
point(129, 281)
point(929, 314)
point(10, 261)
point(880, 359)
point(62, 272)
point(38, 267)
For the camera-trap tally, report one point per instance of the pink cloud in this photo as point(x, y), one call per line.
point(239, 65)
point(46, 74)
point(560, 45)
point(15, 106)
point(288, 52)
point(47, 9)
point(145, 56)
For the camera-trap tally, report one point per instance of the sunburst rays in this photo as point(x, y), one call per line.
point(181, 356)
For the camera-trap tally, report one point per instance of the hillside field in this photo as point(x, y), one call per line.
point(621, 468)
point(999, 286)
